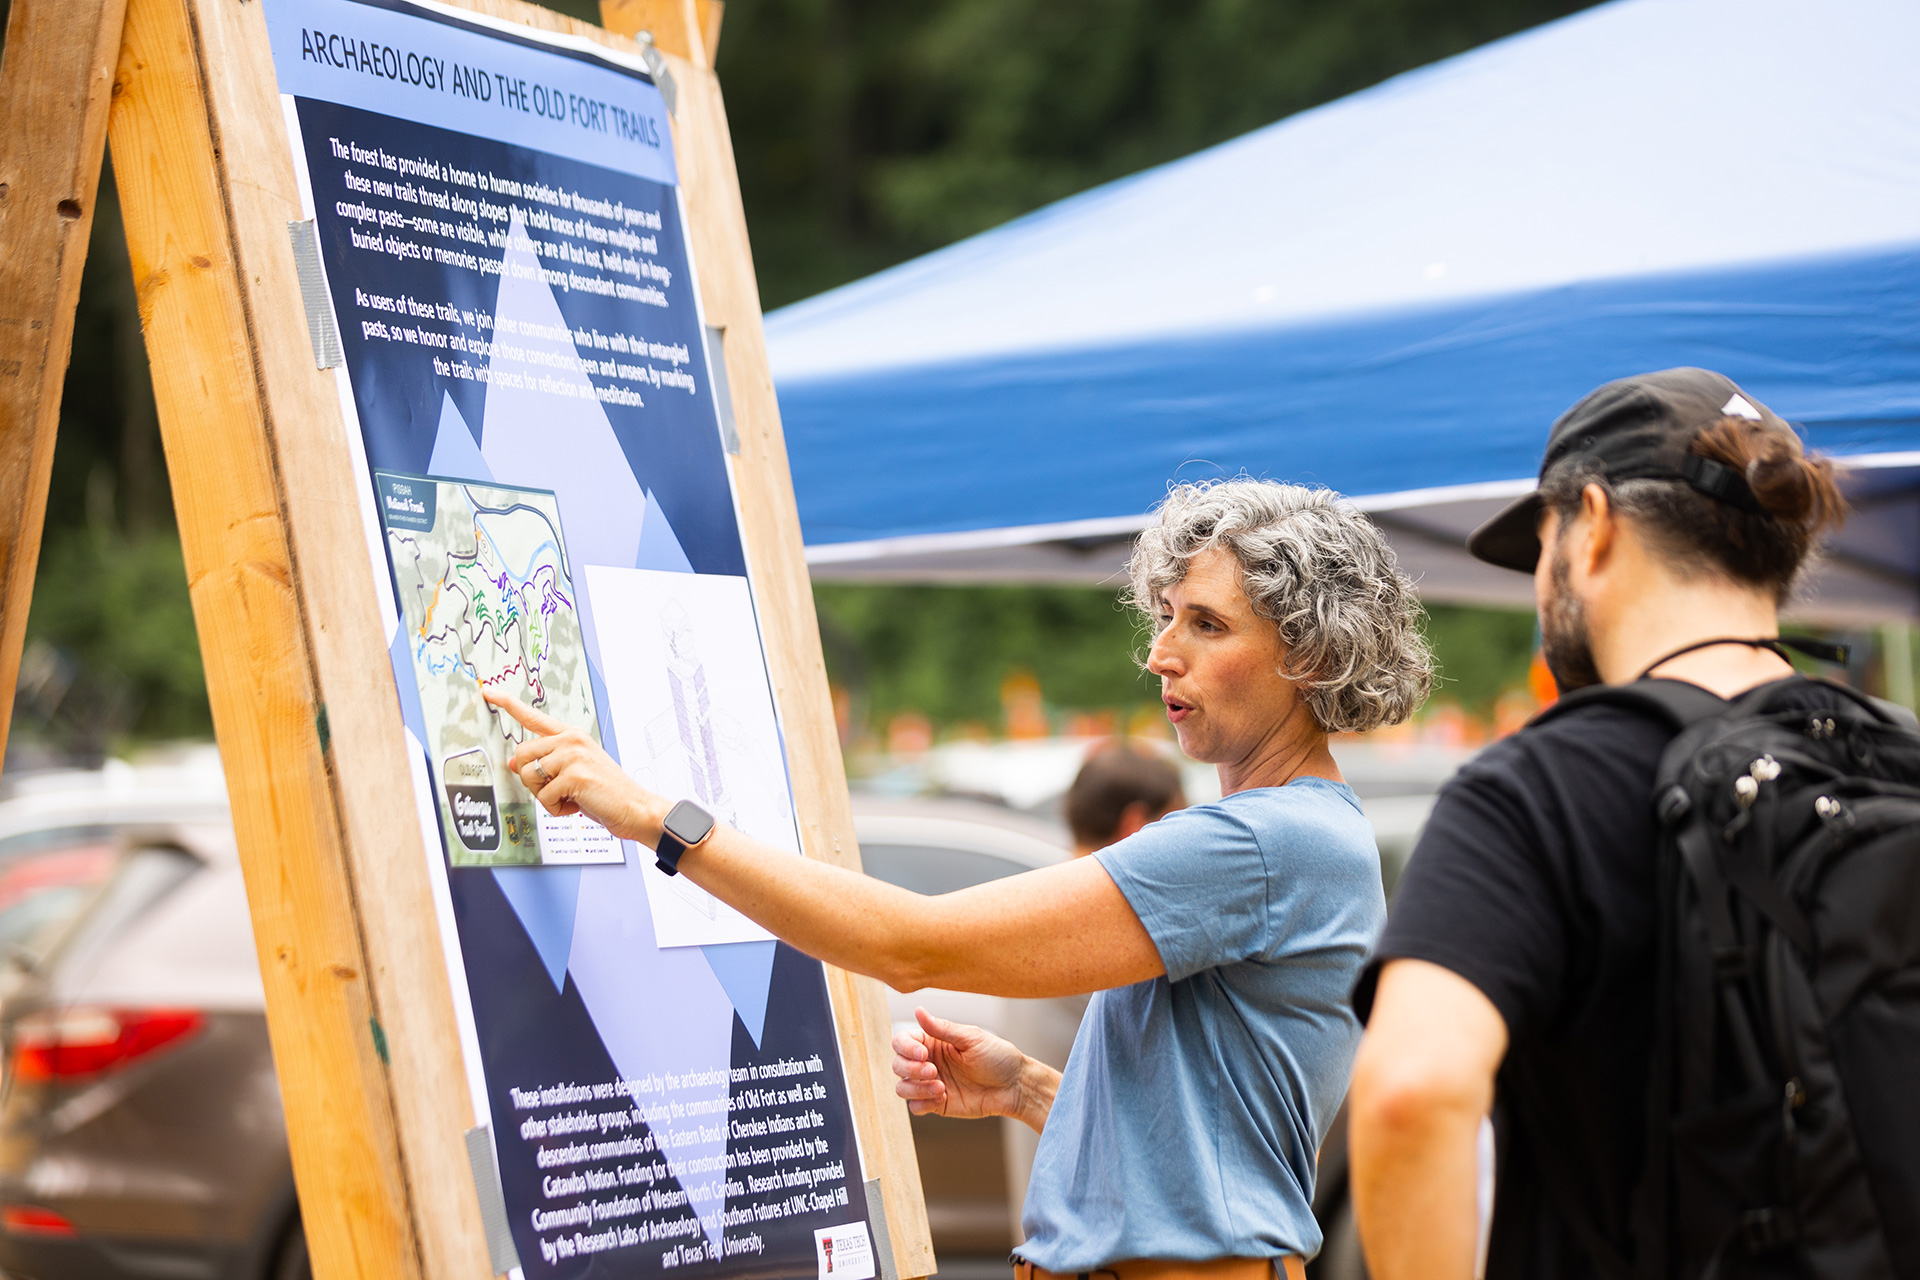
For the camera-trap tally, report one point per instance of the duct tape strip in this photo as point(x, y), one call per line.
point(722, 391)
point(657, 68)
point(327, 353)
point(882, 1239)
point(493, 1203)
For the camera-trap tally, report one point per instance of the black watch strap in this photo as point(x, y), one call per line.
point(687, 825)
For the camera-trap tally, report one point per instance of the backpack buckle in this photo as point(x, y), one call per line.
point(1764, 1229)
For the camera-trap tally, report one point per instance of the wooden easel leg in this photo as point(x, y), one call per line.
point(330, 1042)
point(684, 28)
point(55, 89)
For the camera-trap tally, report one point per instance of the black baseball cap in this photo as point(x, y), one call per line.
point(1638, 428)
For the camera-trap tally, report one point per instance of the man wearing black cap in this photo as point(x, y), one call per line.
point(1673, 515)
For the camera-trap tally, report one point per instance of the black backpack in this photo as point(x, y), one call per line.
point(1783, 1130)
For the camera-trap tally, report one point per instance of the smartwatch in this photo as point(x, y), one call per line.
point(687, 825)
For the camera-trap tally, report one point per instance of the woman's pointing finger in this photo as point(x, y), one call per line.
point(538, 721)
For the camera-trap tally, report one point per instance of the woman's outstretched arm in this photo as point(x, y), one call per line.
point(1062, 930)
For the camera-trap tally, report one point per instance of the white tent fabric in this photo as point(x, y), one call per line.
point(1394, 295)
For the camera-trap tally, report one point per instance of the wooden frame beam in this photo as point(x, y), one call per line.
point(55, 88)
point(359, 1008)
point(686, 29)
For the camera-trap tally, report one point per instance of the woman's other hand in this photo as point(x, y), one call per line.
point(952, 1069)
point(568, 773)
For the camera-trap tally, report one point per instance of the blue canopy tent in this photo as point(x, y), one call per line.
point(1393, 295)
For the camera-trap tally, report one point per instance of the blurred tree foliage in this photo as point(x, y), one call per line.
point(111, 649)
point(1483, 653)
point(869, 131)
point(865, 132)
point(945, 651)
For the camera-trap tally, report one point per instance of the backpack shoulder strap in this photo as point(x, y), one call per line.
point(1674, 703)
point(1891, 714)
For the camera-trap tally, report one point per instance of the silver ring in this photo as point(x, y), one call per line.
point(541, 769)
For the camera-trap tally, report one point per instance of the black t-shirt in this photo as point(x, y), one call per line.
point(1534, 880)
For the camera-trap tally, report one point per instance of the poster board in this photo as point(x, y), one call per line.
point(338, 333)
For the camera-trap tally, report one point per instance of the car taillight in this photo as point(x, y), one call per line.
point(64, 1044)
point(26, 1220)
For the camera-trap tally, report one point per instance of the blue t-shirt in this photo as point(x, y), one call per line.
point(1193, 1105)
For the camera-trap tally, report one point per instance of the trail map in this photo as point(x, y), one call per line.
point(487, 603)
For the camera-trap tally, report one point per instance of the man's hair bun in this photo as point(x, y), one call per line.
point(1788, 485)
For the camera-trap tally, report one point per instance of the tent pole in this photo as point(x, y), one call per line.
point(1896, 658)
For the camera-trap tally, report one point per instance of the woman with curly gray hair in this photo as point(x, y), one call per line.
point(1222, 939)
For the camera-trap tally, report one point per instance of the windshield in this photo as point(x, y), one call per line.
point(67, 892)
point(46, 878)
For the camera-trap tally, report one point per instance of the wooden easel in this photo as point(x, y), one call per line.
point(359, 1008)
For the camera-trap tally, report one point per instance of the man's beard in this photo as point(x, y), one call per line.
point(1563, 632)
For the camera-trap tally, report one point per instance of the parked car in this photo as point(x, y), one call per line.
point(141, 1133)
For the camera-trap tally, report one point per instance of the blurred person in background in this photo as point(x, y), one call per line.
point(1223, 940)
point(1120, 789)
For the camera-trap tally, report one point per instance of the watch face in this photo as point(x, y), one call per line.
point(688, 823)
